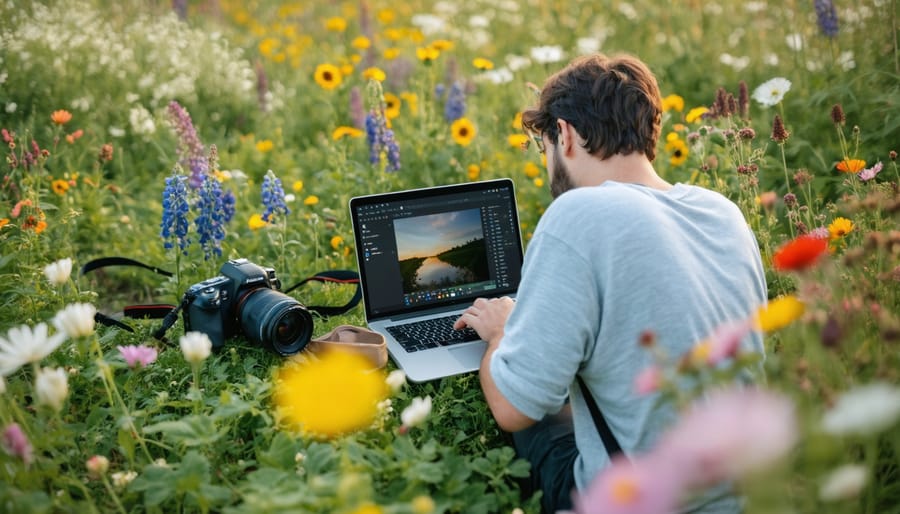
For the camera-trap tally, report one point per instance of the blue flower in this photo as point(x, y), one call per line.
point(273, 197)
point(827, 17)
point(455, 107)
point(381, 141)
point(211, 217)
point(175, 212)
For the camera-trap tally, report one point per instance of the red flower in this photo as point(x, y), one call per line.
point(799, 253)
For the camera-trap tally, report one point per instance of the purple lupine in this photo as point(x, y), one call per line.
point(191, 153)
point(210, 220)
point(175, 212)
point(455, 107)
point(381, 141)
point(827, 17)
point(273, 197)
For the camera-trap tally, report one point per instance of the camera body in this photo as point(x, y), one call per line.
point(246, 299)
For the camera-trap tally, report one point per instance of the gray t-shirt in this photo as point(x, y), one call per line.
point(605, 264)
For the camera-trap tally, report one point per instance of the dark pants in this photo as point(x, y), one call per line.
point(549, 445)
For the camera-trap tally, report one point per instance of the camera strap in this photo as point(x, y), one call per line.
point(169, 313)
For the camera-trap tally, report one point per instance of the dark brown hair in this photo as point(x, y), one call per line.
point(613, 102)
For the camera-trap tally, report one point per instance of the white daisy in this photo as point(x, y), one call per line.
point(76, 319)
point(547, 54)
point(844, 482)
point(196, 347)
point(23, 345)
point(417, 412)
point(58, 272)
point(771, 92)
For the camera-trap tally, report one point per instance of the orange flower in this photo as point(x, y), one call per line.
point(71, 138)
point(61, 117)
point(851, 165)
point(799, 253)
point(4, 222)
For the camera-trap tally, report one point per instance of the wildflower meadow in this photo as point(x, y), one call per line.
point(183, 134)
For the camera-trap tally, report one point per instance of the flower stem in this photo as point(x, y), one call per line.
point(113, 495)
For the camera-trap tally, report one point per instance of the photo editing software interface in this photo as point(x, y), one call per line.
point(423, 252)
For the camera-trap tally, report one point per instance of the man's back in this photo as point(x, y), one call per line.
point(607, 264)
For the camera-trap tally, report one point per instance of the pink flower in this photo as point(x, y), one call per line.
point(138, 355)
point(15, 443)
point(869, 173)
point(725, 341)
point(643, 485)
point(730, 433)
point(820, 233)
point(648, 380)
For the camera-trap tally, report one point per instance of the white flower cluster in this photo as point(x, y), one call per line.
point(148, 60)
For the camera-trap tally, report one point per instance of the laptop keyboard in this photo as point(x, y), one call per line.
point(431, 333)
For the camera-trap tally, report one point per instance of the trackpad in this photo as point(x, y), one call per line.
point(469, 356)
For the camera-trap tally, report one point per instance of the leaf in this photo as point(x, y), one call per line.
point(429, 472)
point(189, 431)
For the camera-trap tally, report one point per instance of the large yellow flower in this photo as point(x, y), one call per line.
point(463, 131)
point(482, 64)
point(342, 132)
point(374, 73)
point(518, 140)
point(336, 24)
point(361, 43)
point(779, 313)
point(673, 103)
point(677, 150)
point(695, 114)
point(391, 106)
point(328, 76)
point(839, 228)
point(330, 393)
point(427, 54)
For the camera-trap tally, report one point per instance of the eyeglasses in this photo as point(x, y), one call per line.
point(538, 142)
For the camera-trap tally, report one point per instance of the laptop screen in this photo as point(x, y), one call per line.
point(433, 247)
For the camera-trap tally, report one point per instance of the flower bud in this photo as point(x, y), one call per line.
point(97, 466)
point(195, 346)
point(52, 387)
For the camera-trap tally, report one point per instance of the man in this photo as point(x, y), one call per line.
point(619, 253)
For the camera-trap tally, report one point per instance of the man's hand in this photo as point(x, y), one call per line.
point(487, 317)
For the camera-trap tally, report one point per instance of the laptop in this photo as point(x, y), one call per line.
point(424, 256)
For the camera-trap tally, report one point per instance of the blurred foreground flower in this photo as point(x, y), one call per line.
point(58, 272)
point(416, 412)
point(16, 444)
point(638, 486)
point(396, 380)
point(799, 253)
point(864, 410)
point(76, 319)
point(779, 313)
point(329, 394)
point(23, 345)
point(195, 346)
point(51, 387)
point(844, 483)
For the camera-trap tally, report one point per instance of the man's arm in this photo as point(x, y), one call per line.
point(487, 317)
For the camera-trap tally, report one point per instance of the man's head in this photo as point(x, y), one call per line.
point(612, 102)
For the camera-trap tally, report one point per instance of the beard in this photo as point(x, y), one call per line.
point(560, 180)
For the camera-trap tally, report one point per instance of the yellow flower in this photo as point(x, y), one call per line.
point(328, 76)
point(347, 69)
point(268, 46)
point(699, 353)
point(297, 186)
point(422, 504)
point(779, 313)
point(391, 53)
point(329, 393)
point(336, 24)
point(265, 145)
point(341, 132)
point(386, 16)
point(60, 186)
point(368, 508)
point(463, 131)
point(442, 44)
point(256, 222)
point(482, 63)
point(61, 117)
point(677, 150)
point(393, 34)
point(839, 228)
point(851, 165)
point(412, 100)
point(311, 200)
point(531, 170)
point(336, 242)
point(391, 106)
point(474, 171)
point(539, 182)
point(673, 103)
point(427, 54)
point(373, 73)
point(517, 121)
point(361, 43)
point(695, 114)
point(518, 140)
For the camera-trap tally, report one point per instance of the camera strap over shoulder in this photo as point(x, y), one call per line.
point(169, 313)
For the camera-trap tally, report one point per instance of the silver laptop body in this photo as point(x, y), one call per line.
point(429, 253)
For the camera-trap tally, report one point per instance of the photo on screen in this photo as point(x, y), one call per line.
point(441, 250)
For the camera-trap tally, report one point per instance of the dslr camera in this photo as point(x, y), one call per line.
point(246, 299)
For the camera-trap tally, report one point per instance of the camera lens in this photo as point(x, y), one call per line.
point(274, 319)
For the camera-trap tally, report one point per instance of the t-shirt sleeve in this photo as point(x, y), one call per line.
point(556, 318)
